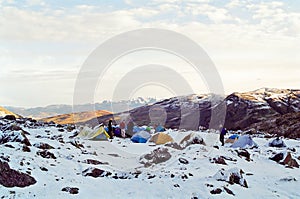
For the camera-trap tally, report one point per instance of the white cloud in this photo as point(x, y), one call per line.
point(266, 37)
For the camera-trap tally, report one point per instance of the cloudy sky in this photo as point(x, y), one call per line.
point(43, 44)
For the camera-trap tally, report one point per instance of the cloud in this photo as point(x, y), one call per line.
point(44, 43)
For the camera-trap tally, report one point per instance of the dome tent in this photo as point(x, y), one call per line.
point(141, 137)
point(161, 138)
point(244, 141)
point(277, 143)
point(94, 134)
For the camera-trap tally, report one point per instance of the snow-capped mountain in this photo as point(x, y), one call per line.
point(194, 111)
point(53, 110)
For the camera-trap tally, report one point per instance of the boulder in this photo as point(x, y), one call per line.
point(232, 176)
point(12, 178)
point(94, 172)
point(71, 190)
point(289, 161)
point(277, 158)
point(157, 156)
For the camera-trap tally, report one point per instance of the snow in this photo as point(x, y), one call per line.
point(265, 178)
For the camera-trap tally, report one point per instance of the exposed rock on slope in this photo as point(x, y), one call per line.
point(287, 125)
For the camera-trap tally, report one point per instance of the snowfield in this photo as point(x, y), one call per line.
point(189, 173)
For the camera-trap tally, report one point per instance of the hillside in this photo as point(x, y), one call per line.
point(76, 117)
point(51, 163)
point(4, 112)
point(191, 112)
point(287, 125)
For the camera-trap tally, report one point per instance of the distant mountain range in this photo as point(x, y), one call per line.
point(242, 110)
point(54, 110)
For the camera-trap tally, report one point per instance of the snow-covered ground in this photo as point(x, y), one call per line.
point(195, 178)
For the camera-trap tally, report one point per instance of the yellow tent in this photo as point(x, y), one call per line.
point(96, 134)
point(161, 138)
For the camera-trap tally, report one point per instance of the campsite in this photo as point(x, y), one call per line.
point(86, 163)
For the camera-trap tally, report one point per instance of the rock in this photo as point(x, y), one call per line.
point(190, 139)
point(14, 136)
point(228, 191)
point(289, 161)
point(9, 146)
point(71, 190)
point(43, 146)
point(288, 179)
point(43, 168)
point(94, 172)
point(243, 153)
point(76, 144)
point(10, 117)
point(94, 162)
point(26, 148)
point(278, 157)
point(218, 160)
point(46, 154)
point(157, 156)
point(232, 176)
point(13, 178)
point(183, 161)
point(228, 158)
point(216, 191)
point(15, 128)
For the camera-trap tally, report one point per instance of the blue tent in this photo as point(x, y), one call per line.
point(160, 129)
point(141, 137)
point(234, 136)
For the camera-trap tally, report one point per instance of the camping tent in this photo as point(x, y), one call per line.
point(277, 143)
point(244, 141)
point(140, 137)
point(232, 138)
point(95, 134)
point(161, 138)
point(159, 129)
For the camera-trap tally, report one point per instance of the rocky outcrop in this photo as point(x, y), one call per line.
point(12, 178)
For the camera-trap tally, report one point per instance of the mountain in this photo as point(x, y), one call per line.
point(53, 110)
point(287, 125)
point(72, 118)
point(4, 112)
point(194, 111)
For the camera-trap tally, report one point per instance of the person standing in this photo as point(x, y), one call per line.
point(222, 135)
point(123, 127)
point(110, 129)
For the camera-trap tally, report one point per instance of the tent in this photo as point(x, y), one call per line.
point(117, 132)
point(277, 143)
point(141, 137)
point(159, 129)
point(244, 141)
point(99, 134)
point(94, 134)
point(161, 138)
point(232, 138)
